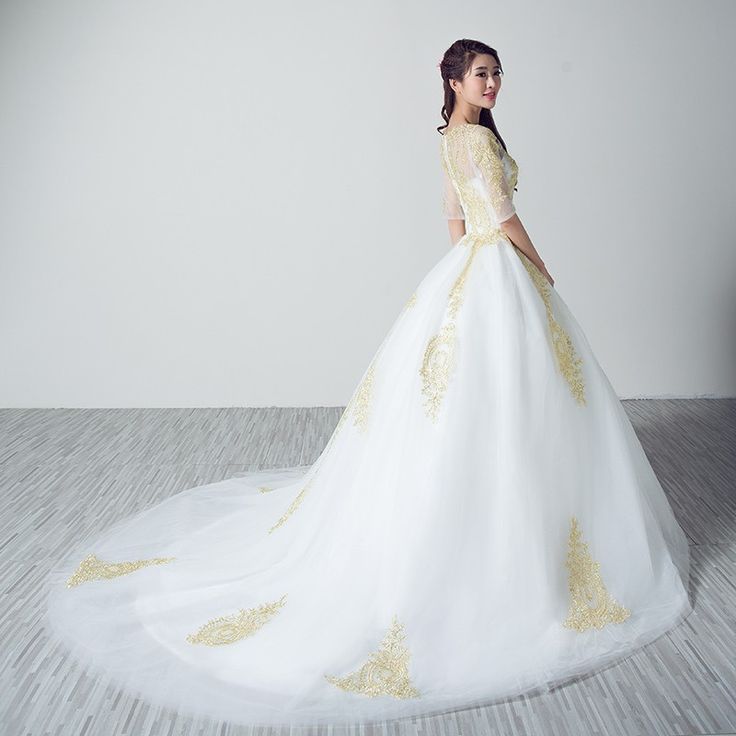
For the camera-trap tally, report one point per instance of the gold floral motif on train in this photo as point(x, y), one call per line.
point(591, 605)
point(363, 396)
point(229, 629)
point(293, 506)
point(93, 568)
point(386, 672)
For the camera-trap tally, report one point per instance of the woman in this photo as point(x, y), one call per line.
point(482, 522)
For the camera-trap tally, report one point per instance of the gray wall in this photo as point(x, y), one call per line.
point(215, 204)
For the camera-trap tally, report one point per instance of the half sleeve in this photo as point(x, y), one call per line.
point(451, 207)
point(487, 157)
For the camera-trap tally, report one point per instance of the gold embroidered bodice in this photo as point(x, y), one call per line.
point(479, 178)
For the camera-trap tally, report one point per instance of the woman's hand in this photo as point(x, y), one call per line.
point(547, 275)
point(517, 234)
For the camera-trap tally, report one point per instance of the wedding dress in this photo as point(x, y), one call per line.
point(483, 521)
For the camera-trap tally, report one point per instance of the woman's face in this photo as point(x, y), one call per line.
point(482, 83)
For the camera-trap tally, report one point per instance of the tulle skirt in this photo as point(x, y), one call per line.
point(482, 523)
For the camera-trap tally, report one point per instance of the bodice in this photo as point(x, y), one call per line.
point(480, 177)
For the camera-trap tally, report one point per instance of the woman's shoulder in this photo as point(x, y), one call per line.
point(467, 128)
point(474, 141)
point(473, 133)
point(482, 142)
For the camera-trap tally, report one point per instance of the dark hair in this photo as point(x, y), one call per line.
point(455, 64)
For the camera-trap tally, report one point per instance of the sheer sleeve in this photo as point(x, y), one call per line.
point(451, 207)
point(487, 154)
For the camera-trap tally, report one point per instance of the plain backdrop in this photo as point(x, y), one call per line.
point(228, 203)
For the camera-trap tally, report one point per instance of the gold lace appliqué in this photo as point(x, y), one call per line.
point(363, 395)
point(229, 629)
point(439, 359)
point(591, 605)
point(265, 489)
point(386, 672)
point(487, 154)
point(438, 363)
point(568, 360)
point(93, 568)
point(293, 505)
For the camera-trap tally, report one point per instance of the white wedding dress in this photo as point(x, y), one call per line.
point(482, 522)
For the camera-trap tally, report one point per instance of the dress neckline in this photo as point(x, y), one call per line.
point(472, 125)
point(460, 125)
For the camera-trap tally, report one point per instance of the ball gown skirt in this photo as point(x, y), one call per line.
point(483, 522)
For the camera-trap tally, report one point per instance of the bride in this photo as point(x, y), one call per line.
point(482, 523)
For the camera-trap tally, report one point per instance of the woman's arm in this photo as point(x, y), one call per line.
point(518, 235)
point(486, 153)
point(457, 230)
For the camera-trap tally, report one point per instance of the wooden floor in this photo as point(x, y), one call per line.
point(98, 465)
